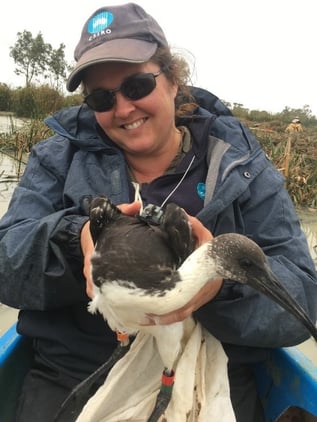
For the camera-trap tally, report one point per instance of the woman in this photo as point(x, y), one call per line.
point(140, 125)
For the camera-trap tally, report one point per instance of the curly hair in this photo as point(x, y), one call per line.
point(176, 70)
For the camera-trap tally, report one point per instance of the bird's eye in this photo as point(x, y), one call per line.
point(245, 263)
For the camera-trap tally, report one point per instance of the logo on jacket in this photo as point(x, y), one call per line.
point(201, 190)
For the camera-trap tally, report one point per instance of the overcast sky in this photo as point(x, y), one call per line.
point(259, 53)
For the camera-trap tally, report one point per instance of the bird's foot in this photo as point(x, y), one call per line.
point(164, 395)
point(102, 212)
point(79, 396)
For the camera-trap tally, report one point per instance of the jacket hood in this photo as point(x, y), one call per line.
point(78, 124)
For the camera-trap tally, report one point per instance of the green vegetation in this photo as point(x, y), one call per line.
point(294, 155)
point(34, 102)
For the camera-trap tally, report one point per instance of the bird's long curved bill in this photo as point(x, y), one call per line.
point(269, 285)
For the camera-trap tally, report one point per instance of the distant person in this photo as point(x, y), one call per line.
point(140, 125)
point(294, 126)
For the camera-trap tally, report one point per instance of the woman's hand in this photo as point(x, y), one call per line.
point(87, 245)
point(200, 233)
point(205, 294)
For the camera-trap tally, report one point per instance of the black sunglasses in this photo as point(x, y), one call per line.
point(134, 88)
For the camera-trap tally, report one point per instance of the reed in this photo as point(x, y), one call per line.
point(295, 156)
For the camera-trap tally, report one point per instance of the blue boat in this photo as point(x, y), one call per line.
point(287, 382)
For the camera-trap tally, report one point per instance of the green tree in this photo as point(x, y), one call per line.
point(57, 66)
point(30, 55)
point(37, 60)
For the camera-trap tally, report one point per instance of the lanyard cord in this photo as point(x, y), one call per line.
point(179, 183)
point(137, 193)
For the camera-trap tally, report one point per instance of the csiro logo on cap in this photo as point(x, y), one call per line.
point(99, 22)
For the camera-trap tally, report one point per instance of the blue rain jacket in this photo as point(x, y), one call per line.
point(40, 256)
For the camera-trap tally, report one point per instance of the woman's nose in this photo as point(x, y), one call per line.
point(123, 106)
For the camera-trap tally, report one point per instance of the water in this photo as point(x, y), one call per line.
point(7, 317)
point(8, 179)
point(309, 224)
point(9, 176)
point(9, 171)
point(9, 124)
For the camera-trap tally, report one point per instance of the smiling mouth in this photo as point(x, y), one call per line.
point(134, 125)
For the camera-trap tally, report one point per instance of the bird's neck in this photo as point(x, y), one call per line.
point(199, 263)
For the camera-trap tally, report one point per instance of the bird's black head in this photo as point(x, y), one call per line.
point(239, 258)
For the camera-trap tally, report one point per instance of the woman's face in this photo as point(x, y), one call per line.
point(140, 127)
